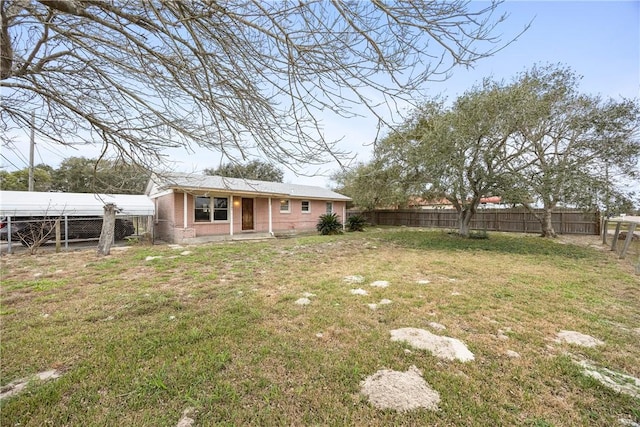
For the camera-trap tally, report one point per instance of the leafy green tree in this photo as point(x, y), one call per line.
point(19, 180)
point(75, 175)
point(578, 149)
point(82, 175)
point(536, 141)
point(371, 185)
point(459, 153)
point(255, 169)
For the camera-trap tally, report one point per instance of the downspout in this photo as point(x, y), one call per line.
point(344, 216)
point(270, 219)
point(184, 213)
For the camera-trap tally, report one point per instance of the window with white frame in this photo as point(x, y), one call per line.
point(209, 209)
point(329, 207)
point(305, 206)
point(220, 209)
point(203, 209)
point(285, 206)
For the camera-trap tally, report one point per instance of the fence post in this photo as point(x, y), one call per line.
point(630, 230)
point(9, 232)
point(58, 235)
point(615, 236)
point(66, 232)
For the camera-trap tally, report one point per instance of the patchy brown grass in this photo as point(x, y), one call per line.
point(217, 329)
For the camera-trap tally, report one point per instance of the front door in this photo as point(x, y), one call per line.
point(247, 214)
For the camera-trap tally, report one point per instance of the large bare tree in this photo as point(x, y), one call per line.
point(238, 77)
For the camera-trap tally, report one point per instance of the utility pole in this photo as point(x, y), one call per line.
point(32, 145)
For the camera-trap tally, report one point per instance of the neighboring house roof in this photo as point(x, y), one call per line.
point(199, 183)
point(493, 199)
point(35, 203)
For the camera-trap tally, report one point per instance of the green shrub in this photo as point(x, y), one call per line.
point(329, 224)
point(356, 223)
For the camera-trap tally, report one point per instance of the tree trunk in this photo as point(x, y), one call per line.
point(547, 225)
point(464, 220)
point(108, 229)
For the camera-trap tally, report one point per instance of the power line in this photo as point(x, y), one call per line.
point(9, 161)
point(12, 147)
point(52, 149)
point(39, 155)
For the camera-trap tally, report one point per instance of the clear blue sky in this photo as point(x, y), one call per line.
point(599, 40)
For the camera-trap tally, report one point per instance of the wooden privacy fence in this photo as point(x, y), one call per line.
point(565, 221)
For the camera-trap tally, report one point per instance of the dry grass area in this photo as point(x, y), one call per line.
point(632, 257)
point(147, 332)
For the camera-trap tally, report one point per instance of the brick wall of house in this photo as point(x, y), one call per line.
point(170, 217)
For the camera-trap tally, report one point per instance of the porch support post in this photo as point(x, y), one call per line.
point(270, 218)
point(231, 215)
point(184, 214)
point(344, 216)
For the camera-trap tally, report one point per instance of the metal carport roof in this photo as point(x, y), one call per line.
point(32, 203)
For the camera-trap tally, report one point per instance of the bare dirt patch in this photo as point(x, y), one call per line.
point(577, 338)
point(380, 284)
point(632, 260)
point(443, 347)
point(622, 383)
point(17, 386)
point(186, 420)
point(402, 391)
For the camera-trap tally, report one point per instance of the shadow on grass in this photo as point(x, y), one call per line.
point(498, 242)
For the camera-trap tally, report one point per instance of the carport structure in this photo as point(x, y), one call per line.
point(20, 205)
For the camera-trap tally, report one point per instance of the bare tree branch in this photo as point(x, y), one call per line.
point(243, 78)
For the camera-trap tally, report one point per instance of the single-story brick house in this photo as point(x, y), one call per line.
point(192, 208)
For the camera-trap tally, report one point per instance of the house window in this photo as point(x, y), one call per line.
point(203, 209)
point(209, 209)
point(220, 209)
point(329, 207)
point(285, 206)
point(306, 206)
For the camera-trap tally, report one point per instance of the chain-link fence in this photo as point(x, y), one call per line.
point(35, 231)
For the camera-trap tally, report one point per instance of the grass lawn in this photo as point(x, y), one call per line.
point(147, 332)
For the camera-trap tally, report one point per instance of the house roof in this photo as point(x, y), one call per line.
point(35, 203)
point(205, 183)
